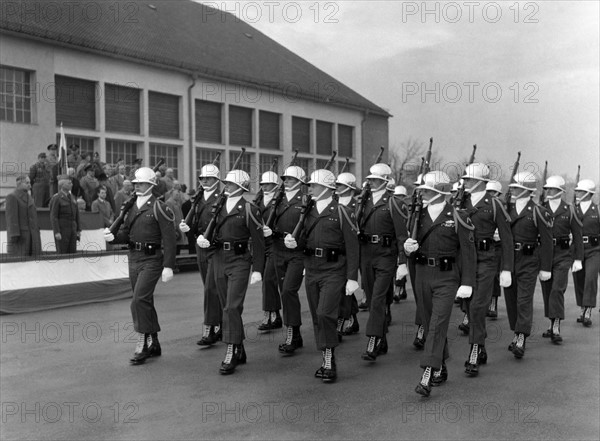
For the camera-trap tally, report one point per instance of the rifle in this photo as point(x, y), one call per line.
point(260, 194)
point(128, 204)
point(278, 198)
point(461, 194)
point(380, 156)
point(329, 163)
point(198, 195)
point(218, 206)
point(576, 182)
point(345, 167)
point(417, 201)
point(543, 193)
point(512, 176)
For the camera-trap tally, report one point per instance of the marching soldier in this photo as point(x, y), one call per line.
point(270, 287)
point(531, 225)
point(345, 189)
point(383, 232)
point(149, 224)
point(565, 225)
point(289, 263)
point(237, 223)
point(331, 262)
point(400, 193)
point(213, 310)
point(586, 276)
point(444, 238)
point(494, 189)
point(487, 215)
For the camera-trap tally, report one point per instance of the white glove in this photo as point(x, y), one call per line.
point(183, 227)
point(464, 292)
point(410, 246)
point(401, 272)
point(577, 266)
point(255, 277)
point(290, 242)
point(496, 235)
point(545, 275)
point(505, 279)
point(108, 236)
point(202, 242)
point(267, 231)
point(351, 286)
point(167, 275)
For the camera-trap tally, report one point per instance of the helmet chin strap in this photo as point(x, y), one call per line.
point(271, 191)
point(212, 187)
point(473, 189)
point(382, 186)
point(521, 195)
point(233, 193)
point(293, 187)
point(583, 198)
point(430, 201)
point(345, 190)
point(320, 195)
point(148, 191)
point(556, 196)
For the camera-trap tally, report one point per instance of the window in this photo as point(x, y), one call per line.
point(324, 138)
point(305, 164)
point(240, 126)
point(86, 145)
point(207, 156)
point(321, 163)
point(167, 152)
point(267, 161)
point(350, 169)
point(16, 95)
point(269, 137)
point(122, 109)
point(301, 134)
point(125, 151)
point(209, 121)
point(163, 115)
point(345, 141)
point(247, 164)
point(75, 102)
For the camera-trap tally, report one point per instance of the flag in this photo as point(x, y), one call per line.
point(62, 152)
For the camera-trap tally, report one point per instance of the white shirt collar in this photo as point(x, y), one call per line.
point(208, 194)
point(141, 200)
point(345, 200)
point(268, 197)
point(585, 205)
point(289, 195)
point(520, 204)
point(434, 210)
point(554, 204)
point(322, 204)
point(378, 194)
point(476, 197)
point(231, 202)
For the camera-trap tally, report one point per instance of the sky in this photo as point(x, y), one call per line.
point(508, 76)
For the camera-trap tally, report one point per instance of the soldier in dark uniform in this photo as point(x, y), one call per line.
point(237, 223)
point(213, 310)
point(331, 262)
point(494, 189)
point(585, 276)
point(531, 225)
point(289, 263)
point(271, 301)
point(565, 225)
point(40, 181)
point(22, 228)
point(64, 217)
point(347, 321)
point(487, 215)
point(148, 224)
point(444, 238)
point(382, 235)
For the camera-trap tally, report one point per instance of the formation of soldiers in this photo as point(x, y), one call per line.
point(456, 246)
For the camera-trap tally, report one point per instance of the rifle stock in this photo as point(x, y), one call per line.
point(542, 199)
point(346, 165)
point(308, 203)
point(508, 196)
point(331, 161)
point(461, 196)
point(576, 182)
point(380, 156)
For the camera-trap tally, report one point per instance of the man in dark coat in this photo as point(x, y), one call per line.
point(21, 221)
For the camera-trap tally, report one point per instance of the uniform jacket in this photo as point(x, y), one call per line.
point(64, 214)
point(487, 215)
point(21, 219)
point(39, 174)
point(203, 213)
point(565, 224)
point(447, 236)
point(142, 226)
point(526, 230)
point(287, 215)
point(590, 221)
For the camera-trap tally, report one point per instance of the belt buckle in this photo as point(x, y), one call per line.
point(374, 238)
point(227, 246)
point(431, 261)
point(518, 246)
point(554, 241)
point(586, 239)
point(138, 246)
point(318, 252)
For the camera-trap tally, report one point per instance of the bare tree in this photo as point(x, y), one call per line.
point(405, 160)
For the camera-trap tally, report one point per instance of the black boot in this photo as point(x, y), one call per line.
point(266, 324)
point(340, 328)
point(154, 349)
point(371, 352)
point(230, 362)
point(382, 345)
point(440, 376)
point(424, 386)
point(292, 342)
point(210, 336)
point(403, 294)
point(419, 341)
point(587, 317)
point(519, 349)
point(492, 311)
point(329, 374)
point(482, 357)
point(276, 321)
point(352, 326)
point(472, 363)
point(141, 350)
point(555, 337)
point(464, 326)
point(548, 332)
point(511, 346)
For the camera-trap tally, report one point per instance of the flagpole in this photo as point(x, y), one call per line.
point(62, 149)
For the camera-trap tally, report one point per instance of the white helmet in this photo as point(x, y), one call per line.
point(323, 177)
point(239, 178)
point(391, 185)
point(400, 190)
point(209, 171)
point(437, 181)
point(380, 171)
point(347, 179)
point(269, 177)
point(557, 182)
point(586, 185)
point(144, 174)
point(525, 180)
point(294, 171)
point(478, 171)
point(493, 185)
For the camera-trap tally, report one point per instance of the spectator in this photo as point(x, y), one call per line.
point(110, 196)
point(161, 188)
point(73, 158)
point(87, 159)
point(76, 190)
point(81, 204)
point(40, 181)
point(169, 178)
point(102, 206)
point(21, 221)
point(174, 203)
point(52, 166)
point(118, 179)
point(123, 194)
point(89, 183)
point(64, 217)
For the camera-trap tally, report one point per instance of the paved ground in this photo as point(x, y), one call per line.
point(65, 375)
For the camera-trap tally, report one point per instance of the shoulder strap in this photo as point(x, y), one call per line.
point(163, 212)
point(398, 208)
point(496, 201)
point(458, 219)
point(250, 214)
point(537, 213)
point(574, 216)
point(343, 213)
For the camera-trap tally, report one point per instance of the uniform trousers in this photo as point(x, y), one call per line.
point(144, 272)
point(289, 266)
point(519, 295)
point(68, 241)
point(348, 306)
point(553, 290)
point(325, 284)
point(231, 273)
point(412, 273)
point(377, 273)
point(496, 291)
point(435, 295)
point(213, 310)
point(270, 288)
point(487, 271)
point(586, 280)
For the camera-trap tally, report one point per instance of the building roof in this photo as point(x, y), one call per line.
point(186, 36)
